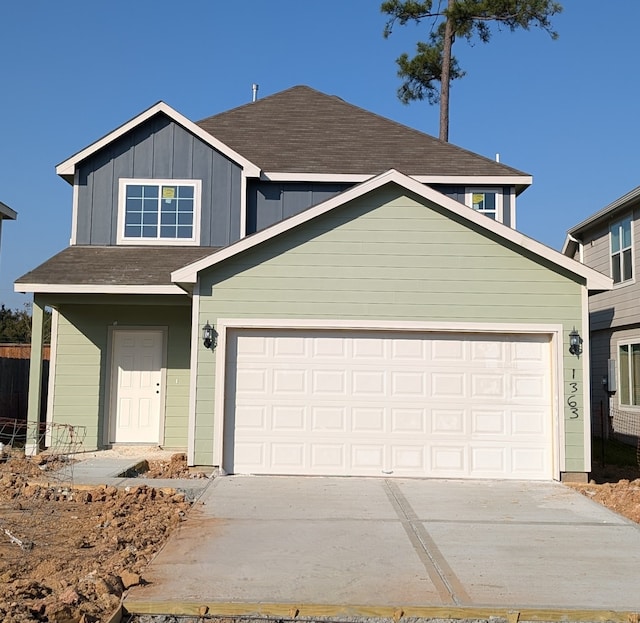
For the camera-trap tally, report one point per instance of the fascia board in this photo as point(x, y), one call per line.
point(469, 180)
point(619, 204)
point(595, 280)
point(7, 213)
point(569, 246)
point(50, 288)
point(67, 167)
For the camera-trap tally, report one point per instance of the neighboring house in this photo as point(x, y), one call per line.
point(6, 213)
point(608, 242)
point(299, 286)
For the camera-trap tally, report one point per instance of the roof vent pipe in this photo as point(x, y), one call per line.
point(254, 88)
point(497, 157)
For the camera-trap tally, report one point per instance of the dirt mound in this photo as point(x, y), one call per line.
point(175, 467)
point(94, 545)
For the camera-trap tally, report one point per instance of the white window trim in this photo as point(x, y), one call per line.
point(471, 190)
point(624, 282)
point(625, 342)
point(179, 242)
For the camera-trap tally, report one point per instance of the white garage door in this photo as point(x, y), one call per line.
point(402, 404)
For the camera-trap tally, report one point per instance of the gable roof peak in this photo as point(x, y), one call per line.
point(67, 168)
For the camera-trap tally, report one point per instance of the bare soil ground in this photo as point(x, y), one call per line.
point(81, 548)
point(84, 547)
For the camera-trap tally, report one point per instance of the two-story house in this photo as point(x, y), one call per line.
point(608, 242)
point(300, 286)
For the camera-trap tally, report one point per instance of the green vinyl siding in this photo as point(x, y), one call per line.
point(82, 359)
point(389, 256)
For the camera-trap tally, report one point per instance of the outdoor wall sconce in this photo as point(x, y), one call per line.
point(207, 335)
point(575, 343)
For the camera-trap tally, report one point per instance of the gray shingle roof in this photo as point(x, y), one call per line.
point(107, 266)
point(301, 130)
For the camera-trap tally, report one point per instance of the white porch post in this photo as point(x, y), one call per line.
point(35, 379)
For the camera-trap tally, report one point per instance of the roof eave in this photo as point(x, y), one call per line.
point(7, 213)
point(56, 288)
point(521, 182)
point(618, 205)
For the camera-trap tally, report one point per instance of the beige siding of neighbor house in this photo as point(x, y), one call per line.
point(624, 297)
point(82, 358)
point(387, 256)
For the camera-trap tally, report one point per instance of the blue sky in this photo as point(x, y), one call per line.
point(565, 111)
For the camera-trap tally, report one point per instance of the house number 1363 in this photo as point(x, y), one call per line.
point(571, 399)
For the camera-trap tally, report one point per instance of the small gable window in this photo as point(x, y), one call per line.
point(621, 256)
point(159, 212)
point(629, 364)
point(488, 201)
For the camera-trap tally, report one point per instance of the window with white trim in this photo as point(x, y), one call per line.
point(629, 373)
point(159, 211)
point(487, 201)
point(621, 255)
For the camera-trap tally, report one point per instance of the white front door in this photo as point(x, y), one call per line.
point(136, 386)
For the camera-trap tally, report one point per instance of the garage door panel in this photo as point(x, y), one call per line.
point(288, 456)
point(488, 386)
point(488, 351)
point(489, 461)
point(449, 460)
point(405, 350)
point(529, 423)
point(368, 456)
point(366, 350)
point(449, 385)
point(409, 459)
point(494, 423)
point(328, 455)
point(446, 350)
point(369, 383)
point(251, 417)
point(409, 384)
point(526, 387)
point(251, 454)
point(329, 418)
point(527, 462)
point(368, 420)
point(408, 421)
point(290, 382)
point(252, 381)
point(288, 418)
point(355, 403)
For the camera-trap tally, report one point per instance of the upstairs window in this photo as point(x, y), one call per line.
point(629, 365)
point(159, 212)
point(621, 256)
point(488, 201)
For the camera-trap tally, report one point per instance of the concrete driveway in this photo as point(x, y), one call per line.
point(304, 546)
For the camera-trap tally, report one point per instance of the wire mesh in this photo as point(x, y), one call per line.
point(624, 426)
point(32, 486)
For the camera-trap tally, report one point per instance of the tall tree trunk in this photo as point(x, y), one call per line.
point(445, 80)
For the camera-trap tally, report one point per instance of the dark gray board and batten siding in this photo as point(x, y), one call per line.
point(270, 202)
point(158, 149)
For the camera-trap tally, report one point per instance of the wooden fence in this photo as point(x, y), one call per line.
point(14, 380)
